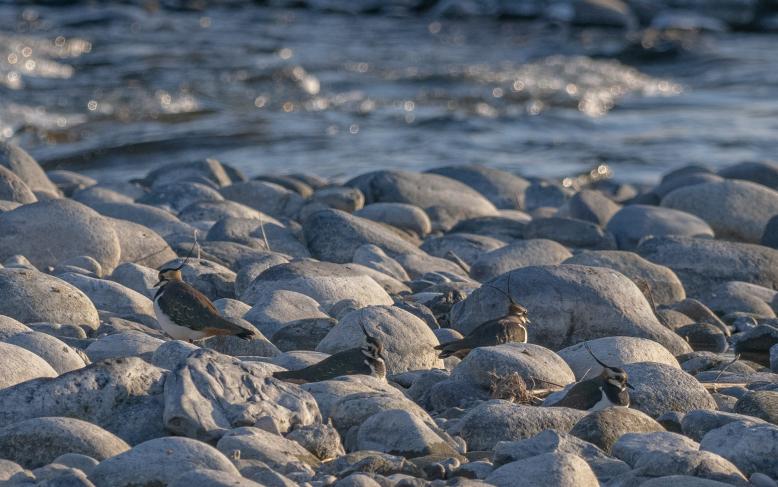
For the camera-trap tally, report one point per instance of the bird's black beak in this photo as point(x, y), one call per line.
point(630, 386)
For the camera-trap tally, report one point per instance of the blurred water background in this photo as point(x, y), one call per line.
point(341, 87)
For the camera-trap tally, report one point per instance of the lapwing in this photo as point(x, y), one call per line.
point(606, 390)
point(509, 328)
point(184, 313)
point(367, 360)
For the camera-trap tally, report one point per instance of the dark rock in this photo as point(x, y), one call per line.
point(755, 344)
point(500, 227)
point(571, 233)
point(606, 426)
point(304, 334)
point(704, 337)
point(759, 404)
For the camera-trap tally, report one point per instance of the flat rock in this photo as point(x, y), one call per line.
point(20, 365)
point(409, 218)
point(634, 222)
point(159, 462)
point(483, 426)
point(126, 344)
point(752, 448)
point(702, 264)
point(408, 341)
point(615, 351)
point(55, 352)
point(503, 189)
point(522, 253)
point(334, 236)
point(400, 433)
point(664, 285)
point(285, 456)
point(213, 393)
point(123, 396)
point(79, 229)
point(37, 442)
point(325, 282)
point(606, 426)
point(550, 441)
point(735, 209)
point(532, 362)
point(273, 310)
point(430, 192)
point(544, 470)
point(590, 302)
point(25, 167)
point(269, 198)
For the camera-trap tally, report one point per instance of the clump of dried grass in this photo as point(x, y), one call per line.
point(510, 387)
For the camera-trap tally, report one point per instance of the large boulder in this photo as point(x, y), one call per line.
point(161, 221)
point(18, 161)
point(335, 235)
point(533, 363)
point(325, 282)
point(661, 388)
point(37, 442)
point(702, 264)
point(522, 253)
point(327, 393)
point(123, 396)
point(159, 462)
point(493, 421)
point(79, 231)
point(735, 209)
point(503, 189)
point(562, 469)
point(408, 341)
point(634, 222)
point(445, 200)
point(32, 297)
point(589, 302)
point(20, 365)
point(615, 351)
point(206, 477)
point(213, 393)
point(664, 285)
point(283, 455)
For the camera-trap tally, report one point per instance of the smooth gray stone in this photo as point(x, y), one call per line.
point(201, 477)
point(140, 244)
point(25, 167)
point(570, 232)
point(752, 448)
point(340, 197)
point(12, 188)
point(177, 196)
point(210, 169)
point(591, 205)
point(37, 442)
point(503, 189)
point(285, 456)
point(522, 253)
point(399, 432)
point(404, 216)
point(544, 470)
point(69, 181)
point(615, 351)
point(19, 365)
point(605, 426)
point(634, 222)
point(159, 462)
point(56, 353)
point(762, 172)
point(661, 388)
point(269, 198)
point(272, 311)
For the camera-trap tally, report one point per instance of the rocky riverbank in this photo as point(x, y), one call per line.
point(675, 283)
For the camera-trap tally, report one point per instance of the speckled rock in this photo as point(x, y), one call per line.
point(31, 296)
point(37, 442)
point(127, 344)
point(590, 302)
point(661, 388)
point(752, 448)
point(20, 365)
point(123, 396)
point(202, 477)
point(56, 353)
point(697, 423)
point(408, 342)
point(400, 433)
point(80, 231)
point(285, 456)
point(563, 469)
point(213, 393)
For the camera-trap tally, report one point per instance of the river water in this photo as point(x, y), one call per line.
point(114, 90)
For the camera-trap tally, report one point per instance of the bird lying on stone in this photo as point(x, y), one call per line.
point(185, 313)
point(509, 328)
point(606, 390)
point(367, 360)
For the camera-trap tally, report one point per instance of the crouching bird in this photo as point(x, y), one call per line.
point(606, 390)
point(185, 313)
point(509, 328)
point(366, 360)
